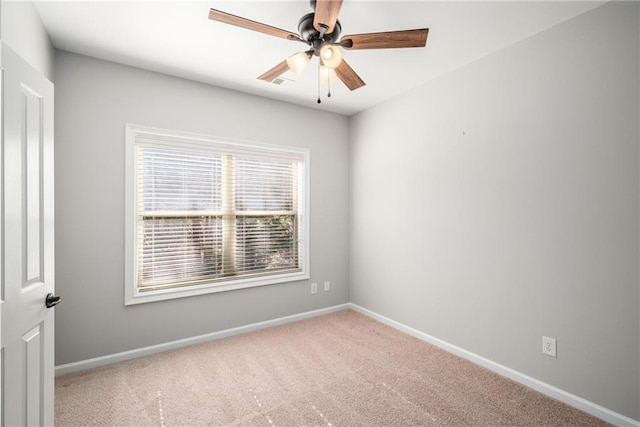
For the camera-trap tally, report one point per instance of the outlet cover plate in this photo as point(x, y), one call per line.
point(549, 346)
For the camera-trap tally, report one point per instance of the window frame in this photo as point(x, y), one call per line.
point(136, 134)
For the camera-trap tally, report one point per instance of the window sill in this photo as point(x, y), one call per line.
point(141, 297)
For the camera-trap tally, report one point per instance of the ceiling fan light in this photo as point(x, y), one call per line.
point(298, 62)
point(327, 74)
point(331, 56)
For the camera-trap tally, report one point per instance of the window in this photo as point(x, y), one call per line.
point(207, 214)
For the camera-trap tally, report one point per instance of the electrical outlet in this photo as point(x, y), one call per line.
point(327, 286)
point(549, 346)
point(314, 288)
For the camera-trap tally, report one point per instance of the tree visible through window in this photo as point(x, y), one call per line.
point(215, 213)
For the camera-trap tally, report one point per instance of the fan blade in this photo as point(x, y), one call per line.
point(275, 72)
point(227, 18)
point(348, 76)
point(326, 15)
point(387, 40)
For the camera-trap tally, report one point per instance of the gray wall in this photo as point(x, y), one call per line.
point(22, 30)
point(94, 100)
point(500, 203)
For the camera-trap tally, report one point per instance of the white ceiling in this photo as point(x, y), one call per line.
point(177, 38)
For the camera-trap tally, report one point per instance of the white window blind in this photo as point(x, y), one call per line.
point(215, 214)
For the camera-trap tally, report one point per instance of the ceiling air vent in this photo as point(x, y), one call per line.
point(281, 81)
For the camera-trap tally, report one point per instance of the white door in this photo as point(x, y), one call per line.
point(27, 332)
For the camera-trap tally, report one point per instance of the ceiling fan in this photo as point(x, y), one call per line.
point(321, 30)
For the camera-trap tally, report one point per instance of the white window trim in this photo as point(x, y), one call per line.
point(173, 139)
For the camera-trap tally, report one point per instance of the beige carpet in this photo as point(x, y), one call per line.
point(341, 369)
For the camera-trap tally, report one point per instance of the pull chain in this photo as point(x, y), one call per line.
point(328, 82)
point(319, 83)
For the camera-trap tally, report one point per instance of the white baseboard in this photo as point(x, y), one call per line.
point(147, 351)
point(544, 388)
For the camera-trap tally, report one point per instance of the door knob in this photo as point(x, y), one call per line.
point(52, 300)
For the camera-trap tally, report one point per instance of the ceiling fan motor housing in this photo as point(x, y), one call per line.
point(309, 34)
